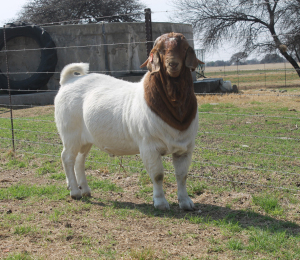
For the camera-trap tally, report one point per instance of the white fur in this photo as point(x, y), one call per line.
point(113, 115)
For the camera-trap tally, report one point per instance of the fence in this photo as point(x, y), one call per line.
point(274, 75)
point(222, 153)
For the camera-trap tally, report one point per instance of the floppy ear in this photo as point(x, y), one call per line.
point(152, 62)
point(144, 64)
point(191, 60)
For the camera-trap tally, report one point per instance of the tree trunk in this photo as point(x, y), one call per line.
point(278, 43)
point(291, 60)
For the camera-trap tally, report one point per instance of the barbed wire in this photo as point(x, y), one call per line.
point(245, 167)
point(255, 136)
point(245, 183)
point(197, 94)
point(22, 130)
point(133, 43)
point(29, 106)
point(246, 94)
point(243, 151)
point(250, 115)
point(69, 22)
point(28, 119)
point(96, 71)
point(88, 160)
point(27, 141)
point(142, 71)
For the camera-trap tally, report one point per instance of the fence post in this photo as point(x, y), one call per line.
point(284, 73)
point(237, 71)
point(148, 24)
point(9, 91)
point(265, 75)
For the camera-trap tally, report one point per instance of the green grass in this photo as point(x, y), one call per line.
point(24, 191)
point(19, 256)
point(58, 176)
point(23, 230)
point(269, 203)
point(235, 244)
point(103, 185)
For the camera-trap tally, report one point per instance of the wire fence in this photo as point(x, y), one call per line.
point(217, 157)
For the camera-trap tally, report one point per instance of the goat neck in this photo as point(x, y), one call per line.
point(172, 99)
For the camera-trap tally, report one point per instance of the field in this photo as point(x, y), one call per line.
point(244, 181)
point(256, 76)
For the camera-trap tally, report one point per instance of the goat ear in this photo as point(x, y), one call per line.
point(152, 62)
point(144, 64)
point(191, 60)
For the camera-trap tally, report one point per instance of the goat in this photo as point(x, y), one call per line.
point(154, 117)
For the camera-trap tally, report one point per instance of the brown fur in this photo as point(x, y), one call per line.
point(172, 99)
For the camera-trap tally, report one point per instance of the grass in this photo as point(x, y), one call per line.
point(269, 203)
point(242, 221)
point(24, 191)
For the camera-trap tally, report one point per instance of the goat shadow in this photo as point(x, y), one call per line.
point(215, 215)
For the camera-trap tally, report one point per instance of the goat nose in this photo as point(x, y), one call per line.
point(173, 64)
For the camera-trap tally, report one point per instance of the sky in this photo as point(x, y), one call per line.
point(161, 9)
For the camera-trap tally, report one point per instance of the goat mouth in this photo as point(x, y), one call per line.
point(173, 72)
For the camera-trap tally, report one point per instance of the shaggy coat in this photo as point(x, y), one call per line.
point(154, 117)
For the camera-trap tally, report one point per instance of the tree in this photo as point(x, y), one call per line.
point(292, 21)
point(239, 57)
point(259, 26)
point(272, 58)
point(81, 11)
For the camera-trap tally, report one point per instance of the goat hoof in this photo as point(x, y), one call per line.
point(76, 195)
point(161, 204)
point(86, 194)
point(186, 204)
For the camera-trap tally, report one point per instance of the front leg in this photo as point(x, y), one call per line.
point(181, 165)
point(155, 169)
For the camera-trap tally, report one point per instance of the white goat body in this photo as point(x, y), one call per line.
point(113, 115)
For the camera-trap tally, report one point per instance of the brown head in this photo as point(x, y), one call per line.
point(171, 53)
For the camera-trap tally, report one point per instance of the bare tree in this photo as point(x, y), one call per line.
point(291, 25)
point(259, 26)
point(238, 57)
point(81, 11)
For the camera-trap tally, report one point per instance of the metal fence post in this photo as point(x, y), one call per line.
point(284, 73)
point(9, 91)
point(148, 24)
point(265, 75)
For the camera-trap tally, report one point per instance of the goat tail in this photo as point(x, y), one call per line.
point(73, 70)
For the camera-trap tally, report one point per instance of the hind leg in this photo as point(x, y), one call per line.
point(68, 157)
point(80, 170)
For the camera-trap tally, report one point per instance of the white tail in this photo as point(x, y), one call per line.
point(70, 70)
